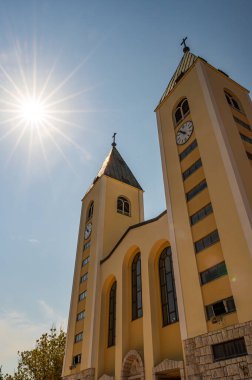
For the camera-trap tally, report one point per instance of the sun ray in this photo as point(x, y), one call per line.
point(11, 81)
point(60, 151)
point(34, 71)
point(13, 129)
point(45, 85)
point(17, 143)
point(68, 97)
point(32, 110)
point(21, 70)
point(44, 155)
point(30, 150)
point(65, 122)
point(10, 93)
point(67, 138)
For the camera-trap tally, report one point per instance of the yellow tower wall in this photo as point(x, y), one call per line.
point(229, 181)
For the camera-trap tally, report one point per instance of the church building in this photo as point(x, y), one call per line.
point(171, 297)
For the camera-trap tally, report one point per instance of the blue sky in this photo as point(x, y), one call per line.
point(118, 56)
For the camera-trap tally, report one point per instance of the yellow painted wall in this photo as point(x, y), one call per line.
point(195, 86)
point(228, 173)
point(145, 334)
point(115, 224)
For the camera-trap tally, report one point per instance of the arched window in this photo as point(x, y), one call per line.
point(137, 307)
point(112, 316)
point(167, 288)
point(90, 211)
point(181, 110)
point(232, 101)
point(123, 206)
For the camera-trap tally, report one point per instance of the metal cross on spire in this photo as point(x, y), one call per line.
point(185, 48)
point(113, 137)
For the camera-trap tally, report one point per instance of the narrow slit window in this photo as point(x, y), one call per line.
point(137, 307)
point(90, 211)
point(112, 316)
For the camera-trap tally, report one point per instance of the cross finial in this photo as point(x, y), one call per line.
point(113, 137)
point(185, 48)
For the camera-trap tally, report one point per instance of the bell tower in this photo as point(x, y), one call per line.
point(113, 202)
point(205, 132)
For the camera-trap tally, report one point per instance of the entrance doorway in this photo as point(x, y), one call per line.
point(132, 366)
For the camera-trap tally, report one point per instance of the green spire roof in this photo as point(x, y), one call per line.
point(115, 167)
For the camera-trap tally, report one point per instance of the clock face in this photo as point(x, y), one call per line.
point(88, 230)
point(184, 133)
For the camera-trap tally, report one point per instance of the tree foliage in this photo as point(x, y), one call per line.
point(45, 361)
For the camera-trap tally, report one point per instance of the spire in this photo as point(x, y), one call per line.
point(185, 63)
point(115, 167)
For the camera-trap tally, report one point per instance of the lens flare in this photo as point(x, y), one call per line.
point(36, 111)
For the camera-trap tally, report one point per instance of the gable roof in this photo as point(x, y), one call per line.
point(115, 167)
point(185, 63)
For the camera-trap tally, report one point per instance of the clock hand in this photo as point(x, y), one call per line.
point(183, 132)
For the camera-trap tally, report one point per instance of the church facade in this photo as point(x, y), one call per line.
point(171, 297)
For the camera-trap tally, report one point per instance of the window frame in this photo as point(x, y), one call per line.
point(82, 314)
point(125, 204)
point(228, 304)
point(242, 123)
point(84, 277)
point(90, 211)
point(201, 214)
point(83, 295)
point(227, 347)
point(136, 287)
point(188, 150)
point(207, 241)
point(246, 138)
point(85, 261)
point(231, 100)
point(78, 337)
point(112, 315)
point(76, 360)
point(201, 186)
point(167, 288)
point(221, 270)
point(183, 113)
point(192, 169)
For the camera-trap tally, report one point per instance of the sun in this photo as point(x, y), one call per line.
point(37, 111)
point(33, 111)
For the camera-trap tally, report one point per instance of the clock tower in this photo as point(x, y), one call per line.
point(113, 202)
point(204, 123)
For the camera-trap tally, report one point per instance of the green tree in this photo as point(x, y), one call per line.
point(45, 361)
point(1, 374)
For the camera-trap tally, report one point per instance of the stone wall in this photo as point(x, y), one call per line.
point(200, 364)
point(86, 374)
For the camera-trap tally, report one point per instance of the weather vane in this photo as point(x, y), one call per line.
point(113, 137)
point(185, 48)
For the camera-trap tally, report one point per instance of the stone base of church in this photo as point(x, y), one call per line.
point(86, 374)
point(200, 364)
